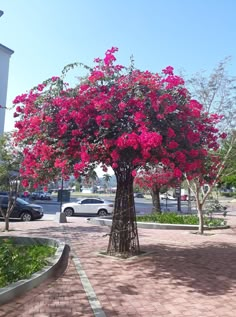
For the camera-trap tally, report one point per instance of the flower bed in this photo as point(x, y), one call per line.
point(20, 261)
point(174, 218)
point(48, 266)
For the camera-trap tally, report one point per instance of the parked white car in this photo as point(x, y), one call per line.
point(41, 195)
point(90, 206)
point(87, 190)
point(167, 196)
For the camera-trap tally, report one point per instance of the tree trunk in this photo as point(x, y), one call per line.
point(200, 215)
point(155, 192)
point(7, 223)
point(201, 223)
point(189, 201)
point(6, 219)
point(124, 239)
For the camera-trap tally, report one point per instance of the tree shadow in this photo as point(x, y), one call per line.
point(208, 269)
point(128, 289)
point(57, 230)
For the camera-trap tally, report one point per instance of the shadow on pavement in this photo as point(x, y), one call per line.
point(207, 269)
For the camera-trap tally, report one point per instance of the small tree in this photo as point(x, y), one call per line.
point(228, 181)
point(106, 178)
point(155, 179)
point(228, 148)
point(90, 178)
point(119, 117)
point(217, 94)
point(210, 171)
point(78, 183)
point(9, 174)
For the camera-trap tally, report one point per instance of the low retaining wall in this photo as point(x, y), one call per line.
point(107, 221)
point(18, 288)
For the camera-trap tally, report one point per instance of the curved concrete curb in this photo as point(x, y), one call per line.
point(107, 221)
point(18, 288)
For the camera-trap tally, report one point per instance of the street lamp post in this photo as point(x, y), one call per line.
point(61, 200)
point(60, 216)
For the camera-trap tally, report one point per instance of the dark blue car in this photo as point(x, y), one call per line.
point(22, 209)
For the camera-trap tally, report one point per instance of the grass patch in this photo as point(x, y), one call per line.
point(174, 218)
point(21, 261)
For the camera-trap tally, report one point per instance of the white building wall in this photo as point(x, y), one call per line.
point(5, 54)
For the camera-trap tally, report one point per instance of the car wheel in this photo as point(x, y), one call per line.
point(102, 212)
point(26, 216)
point(69, 212)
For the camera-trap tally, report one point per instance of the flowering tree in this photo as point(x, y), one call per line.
point(119, 117)
point(209, 172)
point(217, 93)
point(154, 179)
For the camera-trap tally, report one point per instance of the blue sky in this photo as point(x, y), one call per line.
point(46, 35)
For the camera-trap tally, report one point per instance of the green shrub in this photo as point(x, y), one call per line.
point(214, 206)
point(21, 261)
point(231, 195)
point(174, 218)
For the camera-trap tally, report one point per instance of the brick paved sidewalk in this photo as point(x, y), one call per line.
point(182, 274)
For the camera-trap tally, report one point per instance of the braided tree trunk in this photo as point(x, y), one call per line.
point(124, 234)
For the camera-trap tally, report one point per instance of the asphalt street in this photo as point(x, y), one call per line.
point(142, 205)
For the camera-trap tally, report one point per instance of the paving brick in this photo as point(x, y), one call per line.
point(184, 275)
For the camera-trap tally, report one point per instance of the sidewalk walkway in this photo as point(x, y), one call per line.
point(181, 274)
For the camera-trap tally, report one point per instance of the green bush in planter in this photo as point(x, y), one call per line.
point(21, 261)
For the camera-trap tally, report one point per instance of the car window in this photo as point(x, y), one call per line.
point(22, 201)
point(85, 201)
point(96, 201)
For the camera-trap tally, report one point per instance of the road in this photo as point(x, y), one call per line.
point(142, 205)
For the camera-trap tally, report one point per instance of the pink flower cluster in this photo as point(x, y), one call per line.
point(133, 118)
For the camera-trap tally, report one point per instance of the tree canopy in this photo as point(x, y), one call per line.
point(216, 92)
point(119, 117)
point(10, 159)
point(115, 116)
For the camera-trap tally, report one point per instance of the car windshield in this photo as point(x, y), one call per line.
point(22, 201)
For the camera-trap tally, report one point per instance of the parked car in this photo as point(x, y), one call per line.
point(4, 193)
point(41, 196)
point(87, 190)
point(22, 210)
point(92, 206)
point(138, 195)
point(167, 196)
point(192, 198)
